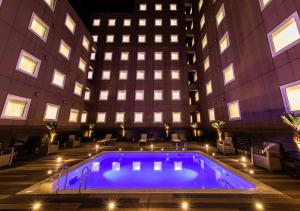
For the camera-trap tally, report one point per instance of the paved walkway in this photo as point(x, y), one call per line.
point(24, 174)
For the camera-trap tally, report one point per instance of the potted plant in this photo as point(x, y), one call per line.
point(293, 121)
point(91, 129)
point(123, 129)
point(167, 128)
point(218, 125)
point(194, 126)
point(52, 126)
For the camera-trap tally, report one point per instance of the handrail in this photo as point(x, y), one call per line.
point(84, 173)
point(65, 168)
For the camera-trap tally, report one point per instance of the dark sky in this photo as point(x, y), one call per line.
point(86, 7)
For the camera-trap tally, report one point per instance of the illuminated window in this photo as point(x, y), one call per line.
point(127, 22)
point(176, 117)
point(96, 22)
point(139, 95)
point(142, 22)
point(211, 114)
point(121, 95)
point(173, 22)
point(70, 23)
point(228, 74)
point(38, 27)
point(206, 63)
point(158, 22)
point(78, 89)
point(158, 75)
point(143, 7)
point(15, 107)
point(51, 112)
point(95, 38)
point(175, 94)
point(202, 21)
point(103, 95)
point(85, 43)
point(140, 75)
point(123, 75)
point(173, 7)
point(108, 56)
point(110, 38)
point(158, 95)
point(158, 56)
point(126, 38)
point(90, 75)
point(224, 43)
point(138, 117)
point(204, 42)
point(264, 3)
point(220, 15)
point(93, 56)
point(158, 7)
point(285, 35)
point(120, 117)
point(124, 56)
point(141, 56)
point(158, 38)
point(157, 117)
point(142, 38)
point(87, 94)
point(83, 117)
point(200, 4)
point(50, 3)
point(174, 56)
point(74, 113)
point(208, 88)
point(82, 65)
point(64, 50)
point(291, 97)
point(174, 38)
point(58, 79)
point(101, 117)
point(234, 110)
point(175, 75)
point(28, 64)
point(111, 22)
point(105, 75)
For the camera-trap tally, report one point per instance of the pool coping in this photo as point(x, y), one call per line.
point(260, 187)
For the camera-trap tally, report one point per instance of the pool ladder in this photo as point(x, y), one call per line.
point(65, 168)
point(84, 176)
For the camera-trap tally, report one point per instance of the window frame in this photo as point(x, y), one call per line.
point(47, 28)
point(70, 50)
point(15, 97)
point(285, 96)
point(134, 119)
point(180, 115)
point(104, 119)
point(77, 84)
point(223, 38)
point(38, 66)
point(73, 21)
point(60, 73)
point(73, 109)
point(226, 69)
point(57, 114)
point(51, 7)
point(262, 6)
point(228, 110)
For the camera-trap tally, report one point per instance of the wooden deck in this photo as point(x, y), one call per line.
point(24, 174)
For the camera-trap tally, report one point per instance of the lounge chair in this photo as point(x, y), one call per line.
point(175, 138)
point(73, 141)
point(107, 138)
point(144, 139)
point(226, 146)
point(50, 147)
point(7, 158)
point(268, 158)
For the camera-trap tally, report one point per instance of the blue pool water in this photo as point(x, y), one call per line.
point(153, 170)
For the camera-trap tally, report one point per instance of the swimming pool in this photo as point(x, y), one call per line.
point(150, 170)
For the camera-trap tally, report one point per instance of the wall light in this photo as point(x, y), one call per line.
point(259, 206)
point(184, 205)
point(111, 205)
point(36, 206)
point(59, 159)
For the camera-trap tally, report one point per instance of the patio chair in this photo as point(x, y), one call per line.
point(7, 157)
point(175, 138)
point(226, 146)
point(73, 141)
point(106, 139)
point(268, 158)
point(144, 139)
point(51, 148)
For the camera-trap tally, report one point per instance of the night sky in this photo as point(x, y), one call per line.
point(86, 7)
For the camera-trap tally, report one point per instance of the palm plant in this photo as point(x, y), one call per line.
point(218, 125)
point(167, 128)
point(194, 126)
point(122, 125)
point(52, 126)
point(293, 121)
point(91, 129)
